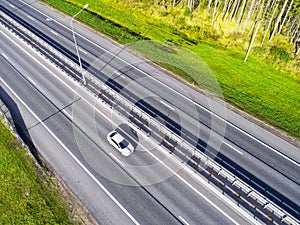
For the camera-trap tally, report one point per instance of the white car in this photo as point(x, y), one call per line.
point(120, 143)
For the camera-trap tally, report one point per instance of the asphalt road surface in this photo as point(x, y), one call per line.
point(69, 129)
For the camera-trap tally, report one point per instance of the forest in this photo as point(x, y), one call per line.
point(268, 18)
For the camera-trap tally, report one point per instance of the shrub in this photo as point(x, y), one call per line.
point(280, 53)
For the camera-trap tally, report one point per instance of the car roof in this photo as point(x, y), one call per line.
point(118, 137)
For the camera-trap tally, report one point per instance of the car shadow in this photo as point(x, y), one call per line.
point(129, 134)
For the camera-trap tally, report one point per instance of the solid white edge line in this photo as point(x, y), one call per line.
point(30, 17)
point(31, 81)
point(183, 220)
point(71, 154)
point(67, 114)
point(11, 5)
point(5, 56)
point(167, 105)
point(232, 147)
point(166, 86)
point(53, 32)
point(107, 117)
point(84, 52)
point(115, 157)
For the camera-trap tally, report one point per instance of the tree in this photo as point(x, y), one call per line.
point(215, 12)
point(235, 9)
point(261, 2)
point(248, 15)
point(274, 7)
point(269, 17)
point(295, 31)
point(174, 3)
point(292, 25)
point(241, 16)
point(191, 4)
point(266, 8)
point(297, 48)
point(227, 9)
point(208, 6)
point(278, 20)
point(224, 9)
point(286, 15)
point(252, 40)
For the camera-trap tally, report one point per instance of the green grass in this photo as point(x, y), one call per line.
point(122, 27)
point(26, 197)
point(256, 87)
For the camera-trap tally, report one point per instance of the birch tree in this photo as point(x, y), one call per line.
point(241, 15)
point(294, 31)
point(182, 3)
point(259, 5)
point(248, 15)
point(215, 12)
point(227, 9)
point(266, 8)
point(297, 48)
point(270, 22)
point(292, 25)
point(235, 9)
point(286, 15)
point(278, 20)
point(191, 4)
point(174, 3)
point(270, 17)
point(224, 8)
point(208, 6)
point(252, 40)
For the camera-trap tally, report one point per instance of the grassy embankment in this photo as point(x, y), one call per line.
point(255, 87)
point(26, 198)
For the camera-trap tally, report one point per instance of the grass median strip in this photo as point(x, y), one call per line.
point(255, 87)
point(27, 196)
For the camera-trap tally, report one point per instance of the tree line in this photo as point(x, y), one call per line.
point(270, 17)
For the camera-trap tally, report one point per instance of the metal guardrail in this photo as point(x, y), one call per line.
point(244, 194)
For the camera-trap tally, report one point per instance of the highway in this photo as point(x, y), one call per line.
point(271, 163)
point(46, 99)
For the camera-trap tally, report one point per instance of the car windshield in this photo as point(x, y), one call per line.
point(115, 142)
point(124, 144)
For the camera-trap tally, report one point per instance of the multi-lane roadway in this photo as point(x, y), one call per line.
point(77, 127)
point(69, 130)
